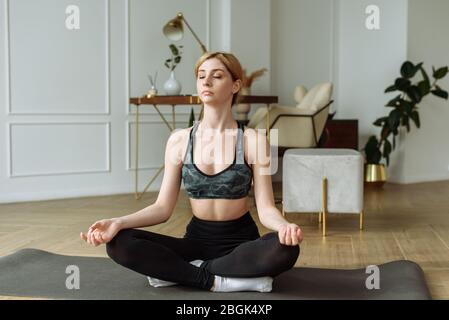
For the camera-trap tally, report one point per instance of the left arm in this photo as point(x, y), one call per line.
point(269, 215)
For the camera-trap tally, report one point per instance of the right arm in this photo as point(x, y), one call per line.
point(161, 210)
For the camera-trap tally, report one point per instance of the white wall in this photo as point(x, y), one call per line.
point(368, 62)
point(67, 127)
point(301, 45)
point(427, 148)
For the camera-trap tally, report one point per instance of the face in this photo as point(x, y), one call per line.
point(214, 83)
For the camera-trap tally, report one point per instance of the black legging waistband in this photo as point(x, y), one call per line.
point(241, 228)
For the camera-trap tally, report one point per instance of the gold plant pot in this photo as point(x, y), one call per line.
point(375, 175)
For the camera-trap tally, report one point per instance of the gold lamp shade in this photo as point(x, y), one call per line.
point(174, 29)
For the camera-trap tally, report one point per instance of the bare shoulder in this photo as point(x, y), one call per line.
point(177, 142)
point(250, 143)
point(255, 141)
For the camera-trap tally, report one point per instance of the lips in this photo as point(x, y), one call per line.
point(207, 93)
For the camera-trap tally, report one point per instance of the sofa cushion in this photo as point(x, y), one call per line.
point(317, 97)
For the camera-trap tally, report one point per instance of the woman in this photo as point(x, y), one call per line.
point(222, 250)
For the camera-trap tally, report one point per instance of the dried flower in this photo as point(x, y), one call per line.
point(247, 81)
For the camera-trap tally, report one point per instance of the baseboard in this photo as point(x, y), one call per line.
point(64, 194)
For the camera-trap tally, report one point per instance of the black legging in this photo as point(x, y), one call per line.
point(229, 248)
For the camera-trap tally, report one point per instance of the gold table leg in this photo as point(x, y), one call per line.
point(138, 195)
point(324, 209)
point(267, 125)
point(361, 220)
point(136, 176)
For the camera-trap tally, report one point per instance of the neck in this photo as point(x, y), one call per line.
point(218, 119)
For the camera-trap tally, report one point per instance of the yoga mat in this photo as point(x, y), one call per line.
point(38, 273)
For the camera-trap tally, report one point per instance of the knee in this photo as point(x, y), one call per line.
point(286, 255)
point(118, 248)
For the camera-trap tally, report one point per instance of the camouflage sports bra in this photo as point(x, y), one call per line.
point(234, 182)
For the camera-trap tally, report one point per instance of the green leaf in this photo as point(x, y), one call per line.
point(415, 118)
point(414, 93)
point(424, 75)
point(408, 70)
point(173, 49)
point(391, 88)
point(393, 119)
point(372, 152)
point(440, 93)
point(424, 87)
point(379, 122)
point(440, 73)
point(407, 106)
point(402, 84)
point(177, 59)
point(394, 102)
point(192, 117)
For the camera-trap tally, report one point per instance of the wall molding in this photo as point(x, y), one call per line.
point(107, 106)
point(10, 174)
point(7, 58)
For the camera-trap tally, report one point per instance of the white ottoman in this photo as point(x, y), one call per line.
point(323, 180)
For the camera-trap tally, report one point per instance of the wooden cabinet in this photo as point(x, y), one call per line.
point(340, 133)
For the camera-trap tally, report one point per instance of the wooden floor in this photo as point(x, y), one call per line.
point(401, 222)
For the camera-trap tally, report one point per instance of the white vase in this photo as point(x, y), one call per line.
point(172, 87)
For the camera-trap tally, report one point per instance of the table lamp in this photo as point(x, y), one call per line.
point(174, 30)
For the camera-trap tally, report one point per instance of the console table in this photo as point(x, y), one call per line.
point(174, 101)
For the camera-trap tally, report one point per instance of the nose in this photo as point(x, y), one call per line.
point(206, 82)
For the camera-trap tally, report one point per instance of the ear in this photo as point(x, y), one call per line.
point(236, 86)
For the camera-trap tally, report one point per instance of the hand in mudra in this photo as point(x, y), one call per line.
point(290, 234)
point(101, 232)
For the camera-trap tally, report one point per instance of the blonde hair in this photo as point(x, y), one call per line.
point(231, 63)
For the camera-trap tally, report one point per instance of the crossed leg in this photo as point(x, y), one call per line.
point(167, 258)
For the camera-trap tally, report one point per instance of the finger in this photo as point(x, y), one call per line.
point(94, 225)
point(89, 233)
point(92, 239)
point(294, 237)
point(281, 234)
point(287, 237)
point(83, 236)
point(98, 237)
point(300, 235)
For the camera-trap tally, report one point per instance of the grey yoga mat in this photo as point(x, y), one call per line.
point(37, 273)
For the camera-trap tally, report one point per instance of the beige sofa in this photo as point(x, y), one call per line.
point(299, 126)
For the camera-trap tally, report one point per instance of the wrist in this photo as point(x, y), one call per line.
point(119, 222)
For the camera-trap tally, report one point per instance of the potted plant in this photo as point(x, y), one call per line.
point(172, 86)
point(404, 107)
